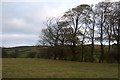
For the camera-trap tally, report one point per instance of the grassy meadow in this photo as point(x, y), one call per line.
point(45, 68)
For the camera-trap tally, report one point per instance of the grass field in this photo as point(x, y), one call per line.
point(43, 68)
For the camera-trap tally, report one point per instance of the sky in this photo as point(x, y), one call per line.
point(22, 20)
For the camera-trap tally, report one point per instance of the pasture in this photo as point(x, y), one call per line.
point(45, 68)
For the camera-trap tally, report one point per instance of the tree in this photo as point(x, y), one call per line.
point(80, 25)
point(118, 30)
point(108, 22)
point(117, 10)
point(77, 17)
point(93, 31)
point(55, 33)
point(50, 34)
point(116, 24)
point(64, 30)
point(100, 12)
point(91, 23)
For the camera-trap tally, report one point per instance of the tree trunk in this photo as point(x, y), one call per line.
point(101, 41)
point(74, 42)
point(92, 50)
point(54, 56)
point(109, 45)
point(92, 47)
point(73, 53)
point(82, 56)
point(102, 52)
point(118, 39)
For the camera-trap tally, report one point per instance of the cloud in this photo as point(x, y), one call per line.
point(47, 12)
point(18, 23)
point(19, 36)
point(29, 17)
point(37, 0)
point(11, 40)
point(86, 1)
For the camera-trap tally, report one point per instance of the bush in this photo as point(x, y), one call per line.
point(112, 56)
point(4, 54)
point(31, 54)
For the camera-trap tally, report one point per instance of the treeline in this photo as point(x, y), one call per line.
point(69, 34)
point(61, 52)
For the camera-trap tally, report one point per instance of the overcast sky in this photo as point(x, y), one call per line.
point(23, 21)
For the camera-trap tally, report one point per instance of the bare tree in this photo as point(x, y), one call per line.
point(117, 25)
point(100, 12)
point(108, 22)
point(77, 17)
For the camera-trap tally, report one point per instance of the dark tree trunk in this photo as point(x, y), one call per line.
point(102, 52)
point(54, 56)
point(74, 42)
point(118, 39)
point(82, 56)
point(73, 53)
point(101, 40)
point(92, 50)
point(62, 43)
point(92, 47)
point(109, 45)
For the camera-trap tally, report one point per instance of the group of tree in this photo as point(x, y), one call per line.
point(81, 25)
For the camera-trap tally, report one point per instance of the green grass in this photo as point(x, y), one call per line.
point(44, 68)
